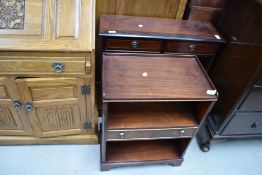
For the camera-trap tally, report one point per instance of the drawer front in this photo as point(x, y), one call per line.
point(132, 45)
point(150, 133)
point(191, 47)
point(244, 123)
point(44, 66)
point(253, 101)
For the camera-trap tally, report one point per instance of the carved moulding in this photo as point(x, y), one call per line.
point(12, 14)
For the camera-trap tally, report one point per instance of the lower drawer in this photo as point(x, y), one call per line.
point(244, 123)
point(137, 134)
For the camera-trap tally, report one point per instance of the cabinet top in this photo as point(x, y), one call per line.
point(141, 77)
point(37, 25)
point(159, 28)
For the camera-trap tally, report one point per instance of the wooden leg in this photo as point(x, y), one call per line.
point(203, 138)
point(104, 168)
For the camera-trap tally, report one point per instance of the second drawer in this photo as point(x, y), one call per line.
point(138, 134)
point(190, 47)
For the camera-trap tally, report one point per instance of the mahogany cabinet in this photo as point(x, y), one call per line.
point(153, 106)
point(47, 72)
point(237, 75)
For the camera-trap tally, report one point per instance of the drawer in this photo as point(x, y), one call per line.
point(44, 65)
point(136, 134)
point(133, 45)
point(191, 47)
point(244, 123)
point(253, 101)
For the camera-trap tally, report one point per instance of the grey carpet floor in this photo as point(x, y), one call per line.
point(233, 157)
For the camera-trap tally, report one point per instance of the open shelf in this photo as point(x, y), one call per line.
point(151, 115)
point(136, 151)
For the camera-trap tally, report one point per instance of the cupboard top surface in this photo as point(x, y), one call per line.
point(53, 25)
point(148, 27)
point(154, 77)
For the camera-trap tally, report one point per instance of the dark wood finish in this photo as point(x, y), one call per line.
point(236, 73)
point(151, 134)
point(132, 45)
point(191, 47)
point(123, 78)
point(160, 28)
point(208, 3)
point(204, 13)
point(244, 123)
point(253, 101)
point(259, 80)
point(204, 10)
point(154, 103)
point(142, 151)
point(150, 115)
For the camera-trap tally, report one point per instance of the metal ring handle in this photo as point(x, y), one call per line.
point(28, 107)
point(192, 47)
point(134, 44)
point(58, 67)
point(17, 104)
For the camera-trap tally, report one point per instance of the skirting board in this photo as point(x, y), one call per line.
point(24, 140)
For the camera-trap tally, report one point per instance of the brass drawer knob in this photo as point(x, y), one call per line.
point(58, 67)
point(181, 132)
point(192, 47)
point(122, 135)
point(17, 104)
point(28, 107)
point(134, 44)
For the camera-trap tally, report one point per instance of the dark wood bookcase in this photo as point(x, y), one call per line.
point(152, 107)
point(155, 89)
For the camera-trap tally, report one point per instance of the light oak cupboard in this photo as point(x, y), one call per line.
point(47, 63)
point(47, 25)
point(12, 120)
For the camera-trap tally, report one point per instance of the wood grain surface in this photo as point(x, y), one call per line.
point(150, 115)
point(154, 77)
point(142, 151)
point(157, 28)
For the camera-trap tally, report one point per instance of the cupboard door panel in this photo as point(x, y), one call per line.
point(13, 121)
point(55, 106)
point(56, 25)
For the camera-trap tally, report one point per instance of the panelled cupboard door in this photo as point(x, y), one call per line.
point(55, 106)
point(58, 25)
point(13, 119)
